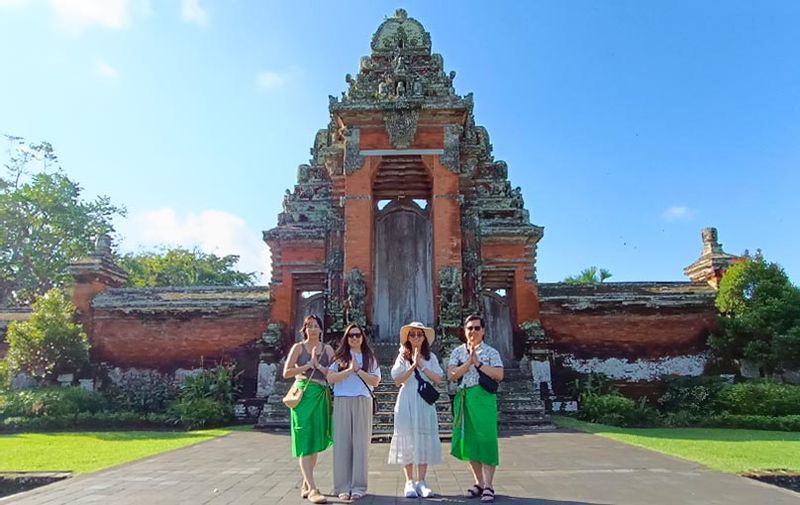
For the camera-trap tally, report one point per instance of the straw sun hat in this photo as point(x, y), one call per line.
point(429, 333)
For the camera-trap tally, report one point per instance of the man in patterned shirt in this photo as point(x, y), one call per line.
point(475, 408)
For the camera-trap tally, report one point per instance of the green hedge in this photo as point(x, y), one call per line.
point(759, 399)
point(51, 401)
point(780, 423)
point(89, 421)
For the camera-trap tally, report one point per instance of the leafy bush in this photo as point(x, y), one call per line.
point(50, 342)
point(605, 408)
point(195, 413)
point(691, 396)
point(5, 375)
point(49, 402)
point(216, 383)
point(760, 399)
point(88, 421)
point(680, 419)
point(142, 391)
point(593, 384)
point(754, 422)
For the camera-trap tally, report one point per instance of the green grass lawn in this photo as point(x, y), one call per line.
point(82, 452)
point(732, 451)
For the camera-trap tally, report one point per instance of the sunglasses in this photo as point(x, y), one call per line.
point(416, 334)
point(473, 328)
point(354, 335)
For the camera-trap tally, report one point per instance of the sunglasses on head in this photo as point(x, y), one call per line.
point(473, 328)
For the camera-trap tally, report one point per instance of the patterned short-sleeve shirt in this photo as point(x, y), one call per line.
point(487, 355)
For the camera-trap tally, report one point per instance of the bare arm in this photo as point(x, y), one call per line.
point(290, 368)
point(495, 372)
point(433, 376)
point(335, 377)
point(371, 380)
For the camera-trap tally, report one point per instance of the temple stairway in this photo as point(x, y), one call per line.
point(520, 409)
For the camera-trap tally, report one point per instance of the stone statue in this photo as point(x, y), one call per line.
point(450, 297)
point(355, 306)
point(383, 87)
point(401, 88)
point(417, 89)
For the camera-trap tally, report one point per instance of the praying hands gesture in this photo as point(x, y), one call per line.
point(416, 361)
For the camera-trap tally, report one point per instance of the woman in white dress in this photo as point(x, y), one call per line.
point(416, 428)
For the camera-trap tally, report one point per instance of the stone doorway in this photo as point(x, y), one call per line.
point(308, 302)
point(403, 263)
point(499, 326)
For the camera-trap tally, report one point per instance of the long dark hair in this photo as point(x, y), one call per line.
point(408, 353)
point(342, 353)
point(305, 324)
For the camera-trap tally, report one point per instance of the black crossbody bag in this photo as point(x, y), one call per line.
point(425, 389)
point(487, 383)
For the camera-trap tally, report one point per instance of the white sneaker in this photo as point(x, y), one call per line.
point(423, 490)
point(410, 490)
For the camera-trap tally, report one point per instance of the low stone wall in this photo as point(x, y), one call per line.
point(634, 332)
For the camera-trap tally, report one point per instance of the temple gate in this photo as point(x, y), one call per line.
point(402, 212)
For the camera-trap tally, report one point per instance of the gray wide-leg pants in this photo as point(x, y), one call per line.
point(352, 434)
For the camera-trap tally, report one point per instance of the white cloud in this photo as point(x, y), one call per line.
point(75, 15)
point(270, 80)
point(193, 12)
point(105, 70)
point(678, 213)
point(213, 231)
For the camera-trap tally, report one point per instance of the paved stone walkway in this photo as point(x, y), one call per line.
point(552, 468)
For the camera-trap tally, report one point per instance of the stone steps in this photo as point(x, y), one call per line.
point(520, 408)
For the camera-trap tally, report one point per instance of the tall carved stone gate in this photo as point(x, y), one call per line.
point(402, 212)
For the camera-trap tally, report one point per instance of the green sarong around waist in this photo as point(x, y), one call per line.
point(311, 420)
point(475, 426)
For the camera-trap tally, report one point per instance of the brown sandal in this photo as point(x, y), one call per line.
point(314, 496)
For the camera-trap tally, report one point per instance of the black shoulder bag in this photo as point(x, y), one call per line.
point(425, 389)
point(487, 383)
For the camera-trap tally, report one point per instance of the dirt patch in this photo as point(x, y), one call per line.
point(17, 482)
point(784, 479)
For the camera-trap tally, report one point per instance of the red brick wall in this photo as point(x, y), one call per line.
point(431, 137)
point(630, 334)
point(508, 255)
point(170, 341)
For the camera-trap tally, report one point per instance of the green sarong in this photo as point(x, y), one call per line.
point(475, 426)
point(311, 420)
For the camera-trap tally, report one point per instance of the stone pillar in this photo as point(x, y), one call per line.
point(712, 264)
point(93, 275)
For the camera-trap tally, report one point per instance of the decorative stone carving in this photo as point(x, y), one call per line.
point(401, 125)
point(352, 157)
point(272, 350)
point(450, 297)
point(266, 379)
point(355, 307)
point(452, 140)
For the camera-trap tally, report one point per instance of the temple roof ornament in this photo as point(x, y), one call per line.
point(713, 263)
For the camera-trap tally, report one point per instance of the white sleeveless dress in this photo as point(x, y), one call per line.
point(416, 427)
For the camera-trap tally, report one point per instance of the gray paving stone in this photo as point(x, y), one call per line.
point(554, 468)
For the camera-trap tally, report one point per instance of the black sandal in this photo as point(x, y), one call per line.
point(475, 491)
point(488, 495)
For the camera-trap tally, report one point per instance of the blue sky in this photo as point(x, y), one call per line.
point(629, 125)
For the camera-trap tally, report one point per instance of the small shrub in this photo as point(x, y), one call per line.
point(5, 375)
point(195, 413)
point(592, 384)
point(680, 419)
point(593, 408)
point(142, 391)
point(760, 399)
point(643, 415)
point(52, 401)
point(691, 396)
point(216, 383)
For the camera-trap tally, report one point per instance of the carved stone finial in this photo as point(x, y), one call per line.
point(711, 241)
point(401, 14)
point(102, 246)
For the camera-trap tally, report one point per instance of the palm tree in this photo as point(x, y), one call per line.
point(591, 275)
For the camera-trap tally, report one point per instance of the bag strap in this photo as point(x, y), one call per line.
point(367, 385)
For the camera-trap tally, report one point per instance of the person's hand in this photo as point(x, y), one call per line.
point(314, 360)
point(354, 365)
point(415, 359)
point(473, 357)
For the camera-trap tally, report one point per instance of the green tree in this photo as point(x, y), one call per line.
point(759, 316)
point(183, 267)
point(50, 342)
point(591, 275)
point(44, 222)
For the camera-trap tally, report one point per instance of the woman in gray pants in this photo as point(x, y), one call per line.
point(353, 374)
